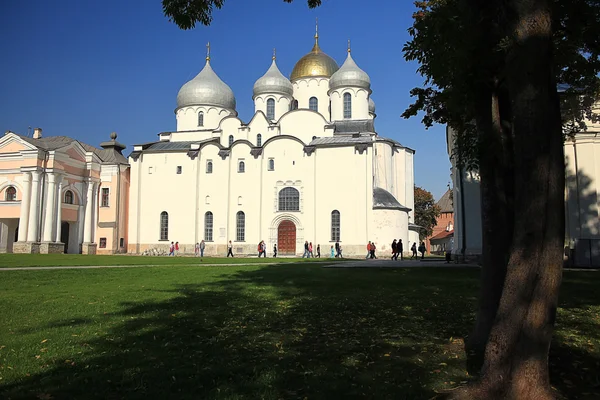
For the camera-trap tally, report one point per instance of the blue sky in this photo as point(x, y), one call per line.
point(87, 68)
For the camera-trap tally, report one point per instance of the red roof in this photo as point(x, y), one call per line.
point(443, 235)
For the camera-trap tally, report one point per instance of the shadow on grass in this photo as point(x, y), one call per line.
point(277, 332)
point(289, 332)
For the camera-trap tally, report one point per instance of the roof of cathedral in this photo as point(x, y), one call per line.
point(350, 75)
point(445, 203)
point(106, 155)
point(206, 89)
point(340, 140)
point(353, 126)
point(274, 82)
point(382, 199)
point(314, 64)
point(371, 105)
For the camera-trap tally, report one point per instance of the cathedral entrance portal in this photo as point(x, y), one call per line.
point(286, 237)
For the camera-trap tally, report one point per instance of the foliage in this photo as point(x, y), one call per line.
point(426, 212)
point(443, 42)
point(187, 13)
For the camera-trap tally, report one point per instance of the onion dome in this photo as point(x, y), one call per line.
point(314, 64)
point(206, 89)
point(350, 75)
point(273, 82)
point(371, 105)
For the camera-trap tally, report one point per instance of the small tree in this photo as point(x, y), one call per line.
point(426, 212)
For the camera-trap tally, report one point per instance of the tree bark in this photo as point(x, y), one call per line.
point(516, 356)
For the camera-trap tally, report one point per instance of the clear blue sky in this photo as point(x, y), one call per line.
point(87, 68)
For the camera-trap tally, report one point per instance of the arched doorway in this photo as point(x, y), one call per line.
point(64, 235)
point(286, 237)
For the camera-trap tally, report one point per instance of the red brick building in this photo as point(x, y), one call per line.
point(443, 232)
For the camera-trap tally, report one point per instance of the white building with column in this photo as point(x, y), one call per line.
point(60, 195)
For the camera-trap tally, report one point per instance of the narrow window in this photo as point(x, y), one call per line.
point(347, 105)
point(209, 167)
point(200, 118)
point(208, 226)
point(150, 170)
point(240, 224)
point(270, 109)
point(122, 242)
point(289, 199)
point(102, 243)
point(295, 105)
point(164, 226)
point(271, 164)
point(179, 170)
point(313, 104)
point(335, 226)
point(230, 140)
point(259, 140)
point(68, 197)
point(241, 167)
point(11, 194)
point(105, 194)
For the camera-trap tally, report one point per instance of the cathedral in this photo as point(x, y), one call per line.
point(308, 166)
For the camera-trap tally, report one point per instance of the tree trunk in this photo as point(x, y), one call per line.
point(496, 173)
point(516, 356)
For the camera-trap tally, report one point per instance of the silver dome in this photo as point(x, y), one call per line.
point(350, 75)
point(371, 105)
point(273, 82)
point(206, 89)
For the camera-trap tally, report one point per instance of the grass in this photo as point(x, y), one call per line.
point(54, 260)
point(289, 331)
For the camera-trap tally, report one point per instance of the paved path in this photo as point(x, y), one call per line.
point(128, 266)
point(387, 263)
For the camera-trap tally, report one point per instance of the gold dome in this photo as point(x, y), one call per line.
point(315, 63)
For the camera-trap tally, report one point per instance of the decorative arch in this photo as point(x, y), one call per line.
point(76, 194)
point(10, 193)
point(282, 137)
point(11, 183)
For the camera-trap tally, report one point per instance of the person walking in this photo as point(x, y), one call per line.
point(332, 252)
point(172, 249)
point(176, 248)
point(399, 249)
point(310, 250)
point(264, 249)
point(275, 250)
point(413, 248)
point(373, 248)
point(394, 249)
point(318, 251)
point(337, 249)
point(340, 251)
point(196, 249)
point(368, 250)
point(229, 249)
point(422, 250)
point(305, 249)
point(202, 247)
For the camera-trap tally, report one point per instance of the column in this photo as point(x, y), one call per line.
point(59, 210)
point(89, 220)
point(49, 222)
point(26, 198)
point(34, 212)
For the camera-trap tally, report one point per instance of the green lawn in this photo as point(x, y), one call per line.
point(290, 331)
point(53, 260)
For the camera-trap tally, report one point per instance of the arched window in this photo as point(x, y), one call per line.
point(271, 164)
point(241, 167)
point(335, 226)
point(347, 105)
point(208, 226)
point(240, 225)
point(11, 194)
point(209, 167)
point(259, 140)
point(68, 197)
point(200, 118)
point(270, 109)
point(313, 104)
point(230, 140)
point(289, 199)
point(295, 105)
point(164, 226)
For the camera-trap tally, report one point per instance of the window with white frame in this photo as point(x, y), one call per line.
point(209, 166)
point(208, 226)
point(241, 167)
point(313, 104)
point(68, 197)
point(335, 226)
point(270, 109)
point(240, 224)
point(105, 197)
point(10, 194)
point(289, 199)
point(230, 140)
point(200, 118)
point(259, 140)
point(179, 169)
point(347, 105)
point(271, 166)
point(164, 226)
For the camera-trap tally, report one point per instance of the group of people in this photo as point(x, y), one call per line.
point(262, 249)
point(174, 249)
point(397, 250)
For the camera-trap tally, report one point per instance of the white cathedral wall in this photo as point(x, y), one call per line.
point(399, 161)
point(282, 104)
point(187, 117)
point(360, 103)
point(303, 124)
point(306, 88)
point(392, 224)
